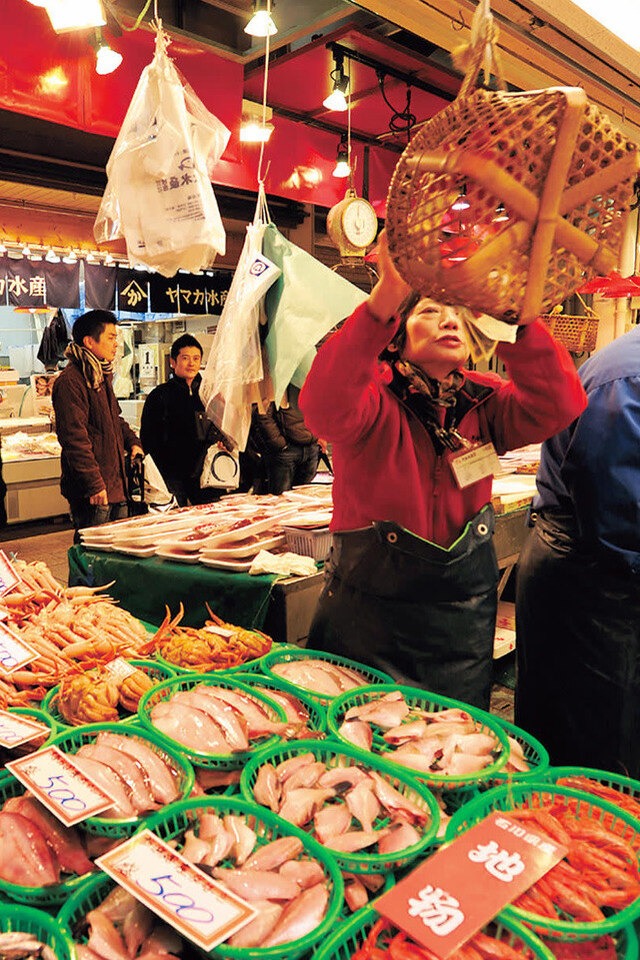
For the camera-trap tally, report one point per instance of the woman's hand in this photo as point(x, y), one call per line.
point(390, 290)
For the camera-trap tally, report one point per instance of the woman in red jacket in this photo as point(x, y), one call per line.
point(411, 577)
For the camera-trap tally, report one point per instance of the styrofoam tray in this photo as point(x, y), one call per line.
point(241, 533)
point(234, 565)
point(168, 554)
point(97, 544)
point(310, 521)
point(134, 551)
point(248, 550)
point(148, 538)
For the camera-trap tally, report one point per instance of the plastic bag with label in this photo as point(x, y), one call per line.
point(234, 368)
point(159, 195)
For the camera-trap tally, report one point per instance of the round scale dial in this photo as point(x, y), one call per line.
point(359, 222)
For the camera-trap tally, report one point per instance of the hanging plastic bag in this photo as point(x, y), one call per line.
point(156, 493)
point(298, 316)
point(221, 468)
point(159, 195)
point(234, 368)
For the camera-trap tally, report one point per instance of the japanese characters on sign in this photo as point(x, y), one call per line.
point(177, 891)
point(14, 652)
point(449, 897)
point(29, 283)
point(53, 778)
point(9, 577)
point(16, 729)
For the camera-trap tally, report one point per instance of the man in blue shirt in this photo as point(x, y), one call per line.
point(578, 586)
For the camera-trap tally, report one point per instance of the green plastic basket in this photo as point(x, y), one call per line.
point(515, 795)
point(625, 941)
point(45, 928)
point(317, 721)
point(155, 670)
point(535, 755)
point(624, 786)
point(70, 741)
point(226, 761)
point(178, 817)
point(249, 666)
point(345, 941)
point(336, 754)
point(286, 656)
point(46, 897)
point(389, 881)
point(422, 700)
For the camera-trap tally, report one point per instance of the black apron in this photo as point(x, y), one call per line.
point(422, 613)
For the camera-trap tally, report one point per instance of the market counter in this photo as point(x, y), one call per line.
point(282, 608)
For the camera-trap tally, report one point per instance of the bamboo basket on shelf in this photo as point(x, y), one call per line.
point(505, 202)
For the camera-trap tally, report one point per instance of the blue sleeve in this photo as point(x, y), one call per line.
point(601, 469)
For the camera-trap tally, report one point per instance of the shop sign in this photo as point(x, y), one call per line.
point(54, 779)
point(190, 293)
point(36, 283)
point(176, 890)
point(100, 286)
point(9, 577)
point(451, 896)
point(14, 652)
point(133, 291)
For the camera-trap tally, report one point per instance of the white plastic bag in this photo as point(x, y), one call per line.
point(234, 367)
point(156, 493)
point(221, 468)
point(159, 195)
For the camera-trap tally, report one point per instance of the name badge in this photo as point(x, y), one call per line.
point(52, 777)
point(16, 729)
point(470, 466)
point(449, 897)
point(176, 890)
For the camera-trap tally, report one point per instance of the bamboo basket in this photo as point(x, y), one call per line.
point(578, 332)
point(548, 181)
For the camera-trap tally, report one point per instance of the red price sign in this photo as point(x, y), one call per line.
point(449, 897)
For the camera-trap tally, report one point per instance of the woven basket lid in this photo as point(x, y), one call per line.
point(507, 202)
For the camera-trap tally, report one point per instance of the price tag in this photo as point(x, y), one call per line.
point(52, 777)
point(119, 669)
point(219, 631)
point(469, 466)
point(177, 891)
point(8, 576)
point(14, 652)
point(449, 897)
point(16, 729)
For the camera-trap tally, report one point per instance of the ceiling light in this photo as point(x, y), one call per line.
point(107, 60)
point(501, 215)
point(70, 257)
point(342, 168)
point(52, 256)
point(75, 14)
point(337, 99)
point(108, 260)
point(3, 249)
point(26, 250)
point(254, 131)
point(261, 23)
point(461, 203)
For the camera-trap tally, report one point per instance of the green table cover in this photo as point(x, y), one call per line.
point(146, 586)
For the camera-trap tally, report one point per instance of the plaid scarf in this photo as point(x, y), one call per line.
point(424, 395)
point(92, 368)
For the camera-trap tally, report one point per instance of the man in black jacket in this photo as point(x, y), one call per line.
point(174, 428)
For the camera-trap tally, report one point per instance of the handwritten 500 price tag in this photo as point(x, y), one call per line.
point(177, 891)
point(57, 783)
point(16, 729)
point(450, 896)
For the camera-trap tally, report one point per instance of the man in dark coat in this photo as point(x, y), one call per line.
point(92, 433)
point(290, 450)
point(174, 428)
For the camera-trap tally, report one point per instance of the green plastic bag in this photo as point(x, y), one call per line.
point(302, 306)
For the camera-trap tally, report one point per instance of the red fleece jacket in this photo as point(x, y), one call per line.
point(385, 465)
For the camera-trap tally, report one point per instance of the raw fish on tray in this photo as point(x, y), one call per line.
point(19, 945)
point(319, 676)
